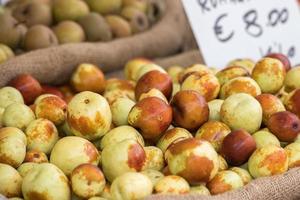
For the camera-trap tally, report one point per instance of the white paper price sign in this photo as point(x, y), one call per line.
point(230, 29)
point(2, 2)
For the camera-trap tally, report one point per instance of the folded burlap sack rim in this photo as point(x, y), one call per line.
point(165, 38)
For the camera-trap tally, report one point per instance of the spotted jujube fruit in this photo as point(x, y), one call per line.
point(193, 159)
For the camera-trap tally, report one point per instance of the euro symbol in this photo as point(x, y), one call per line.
point(219, 30)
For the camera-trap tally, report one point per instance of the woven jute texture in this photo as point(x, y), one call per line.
point(185, 59)
point(54, 65)
point(280, 187)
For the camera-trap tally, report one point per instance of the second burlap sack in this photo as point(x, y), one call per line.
point(167, 37)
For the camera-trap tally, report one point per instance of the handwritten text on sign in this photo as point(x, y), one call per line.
point(230, 29)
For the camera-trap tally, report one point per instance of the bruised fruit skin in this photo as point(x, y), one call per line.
point(293, 152)
point(172, 136)
point(269, 73)
point(230, 73)
point(51, 107)
point(291, 81)
point(89, 115)
point(285, 126)
point(9, 95)
point(41, 135)
point(153, 175)
point(34, 156)
point(282, 58)
point(87, 181)
point(172, 185)
point(193, 159)
point(17, 115)
point(263, 138)
point(240, 85)
point(154, 158)
point(11, 181)
point(270, 104)
point(125, 156)
point(207, 85)
point(29, 87)
point(71, 151)
point(237, 147)
point(88, 77)
point(154, 79)
point(131, 185)
point(119, 134)
point(242, 111)
point(46, 181)
point(190, 110)
point(225, 181)
point(292, 102)
point(268, 161)
point(152, 116)
point(132, 67)
point(213, 132)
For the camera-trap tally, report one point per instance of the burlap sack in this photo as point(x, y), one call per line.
point(165, 38)
point(282, 187)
